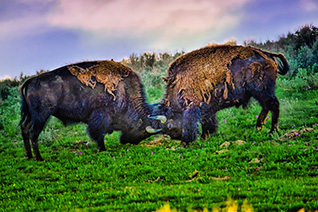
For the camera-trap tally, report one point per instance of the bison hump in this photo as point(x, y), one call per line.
point(197, 74)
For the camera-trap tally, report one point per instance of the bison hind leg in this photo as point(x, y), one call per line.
point(261, 119)
point(274, 108)
point(272, 105)
point(97, 128)
point(25, 128)
point(35, 131)
point(31, 129)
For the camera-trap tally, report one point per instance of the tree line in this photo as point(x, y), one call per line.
point(300, 48)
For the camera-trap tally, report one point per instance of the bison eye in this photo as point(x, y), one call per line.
point(169, 126)
point(163, 108)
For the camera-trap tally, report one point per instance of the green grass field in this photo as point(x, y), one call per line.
point(270, 172)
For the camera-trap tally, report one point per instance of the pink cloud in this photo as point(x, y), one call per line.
point(24, 17)
point(163, 21)
point(310, 5)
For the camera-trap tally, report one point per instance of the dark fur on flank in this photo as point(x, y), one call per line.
point(207, 80)
point(116, 104)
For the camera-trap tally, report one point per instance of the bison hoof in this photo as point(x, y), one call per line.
point(184, 145)
point(39, 159)
point(29, 156)
point(102, 149)
point(273, 131)
point(259, 128)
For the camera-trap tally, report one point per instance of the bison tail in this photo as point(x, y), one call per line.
point(283, 65)
point(24, 105)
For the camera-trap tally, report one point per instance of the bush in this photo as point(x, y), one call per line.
point(151, 67)
point(301, 51)
point(306, 79)
point(4, 93)
point(10, 113)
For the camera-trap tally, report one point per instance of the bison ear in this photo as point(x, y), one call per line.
point(164, 79)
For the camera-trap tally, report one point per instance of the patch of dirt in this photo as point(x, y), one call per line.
point(157, 141)
point(256, 160)
point(221, 152)
point(239, 142)
point(225, 144)
point(295, 133)
point(153, 181)
point(221, 178)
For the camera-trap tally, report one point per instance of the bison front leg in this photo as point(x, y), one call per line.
point(190, 129)
point(98, 136)
point(209, 124)
point(98, 126)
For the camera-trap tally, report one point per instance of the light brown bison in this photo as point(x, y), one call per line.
point(204, 81)
point(106, 95)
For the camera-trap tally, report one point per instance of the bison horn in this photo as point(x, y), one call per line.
point(152, 130)
point(163, 119)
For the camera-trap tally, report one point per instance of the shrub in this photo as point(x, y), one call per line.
point(4, 93)
point(10, 113)
point(306, 79)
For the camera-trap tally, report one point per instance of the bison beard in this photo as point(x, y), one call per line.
point(207, 80)
point(105, 95)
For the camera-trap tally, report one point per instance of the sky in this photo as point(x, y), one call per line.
point(46, 34)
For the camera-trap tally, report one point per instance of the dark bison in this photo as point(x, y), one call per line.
point(204, 81)
point(106, 95)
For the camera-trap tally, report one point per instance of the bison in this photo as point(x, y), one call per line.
point(106, 95)
point(204, 81)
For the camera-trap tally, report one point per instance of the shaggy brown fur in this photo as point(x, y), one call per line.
point(107, 72)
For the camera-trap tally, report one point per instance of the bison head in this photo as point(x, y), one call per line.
point(171, 121)
point(141, 129)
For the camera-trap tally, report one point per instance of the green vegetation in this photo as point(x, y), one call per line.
point(276, 172)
